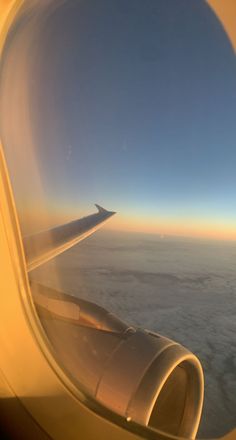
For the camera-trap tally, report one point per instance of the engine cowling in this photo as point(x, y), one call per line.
point(141, 375)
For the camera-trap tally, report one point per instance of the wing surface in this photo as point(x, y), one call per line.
point(45, 245)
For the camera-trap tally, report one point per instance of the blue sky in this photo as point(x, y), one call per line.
point(133, 106)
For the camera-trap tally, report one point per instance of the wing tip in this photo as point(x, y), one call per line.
point(102, 210)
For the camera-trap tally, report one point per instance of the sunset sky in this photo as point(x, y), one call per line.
point(132, 105)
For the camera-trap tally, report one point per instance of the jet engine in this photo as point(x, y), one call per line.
point(141, 375)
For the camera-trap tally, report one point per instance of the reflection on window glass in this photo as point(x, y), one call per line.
point(129, 105)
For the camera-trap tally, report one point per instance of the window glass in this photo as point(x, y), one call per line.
point(129, 105)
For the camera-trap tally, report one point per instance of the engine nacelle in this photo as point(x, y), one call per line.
point(154, 381)
point(141, 375)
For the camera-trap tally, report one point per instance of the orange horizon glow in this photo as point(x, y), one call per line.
point(194, 228)
point(37, 219)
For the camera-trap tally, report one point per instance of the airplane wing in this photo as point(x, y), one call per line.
point(45, 245)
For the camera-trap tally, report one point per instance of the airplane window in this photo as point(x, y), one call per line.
point(117, 120)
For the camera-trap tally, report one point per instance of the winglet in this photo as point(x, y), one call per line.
point(100, 209)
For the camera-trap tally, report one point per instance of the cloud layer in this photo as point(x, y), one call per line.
point(183, 289)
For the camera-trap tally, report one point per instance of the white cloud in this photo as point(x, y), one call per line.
point(179, 289)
